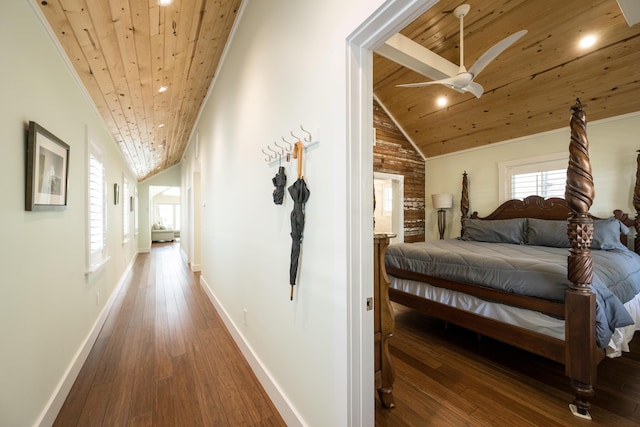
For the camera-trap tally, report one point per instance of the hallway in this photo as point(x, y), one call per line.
point(165, 358)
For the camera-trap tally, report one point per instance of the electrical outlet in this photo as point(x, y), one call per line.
point(244, 316)
point(97, 299)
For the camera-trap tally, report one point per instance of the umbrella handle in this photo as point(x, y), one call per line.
point(297, 154)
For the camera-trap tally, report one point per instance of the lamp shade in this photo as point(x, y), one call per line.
point(442, 201)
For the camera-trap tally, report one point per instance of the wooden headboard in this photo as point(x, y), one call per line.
point(531, 207)
point(553, 208)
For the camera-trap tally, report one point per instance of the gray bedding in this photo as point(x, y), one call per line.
point(536, 271)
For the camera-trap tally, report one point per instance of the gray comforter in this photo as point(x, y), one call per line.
point(536, 271)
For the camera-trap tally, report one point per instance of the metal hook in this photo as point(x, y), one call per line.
point(290, 144)
point(281, 148)
point(308, 133)
point(295, 136)
point(274, 152)
point(267, 154)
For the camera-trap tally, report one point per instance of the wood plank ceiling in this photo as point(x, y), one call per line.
point(530, 87)
point(124, 51)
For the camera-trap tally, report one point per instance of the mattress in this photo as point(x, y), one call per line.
point(536, 271)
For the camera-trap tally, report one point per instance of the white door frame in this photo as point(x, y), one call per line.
point(390, 18)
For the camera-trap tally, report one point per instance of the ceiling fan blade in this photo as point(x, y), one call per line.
point(435, 82)
point(494, 51)
point(449, 81)
point(458, 81)
point(474, 88)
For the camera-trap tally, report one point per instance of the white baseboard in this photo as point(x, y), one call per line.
point(195, 267)
point(50, 412)
point(282, 404)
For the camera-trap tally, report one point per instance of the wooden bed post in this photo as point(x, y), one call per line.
point(581, 358)
point(464, 202)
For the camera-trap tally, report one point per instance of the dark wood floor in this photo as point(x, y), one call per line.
point(446, 377)
point(164, 358)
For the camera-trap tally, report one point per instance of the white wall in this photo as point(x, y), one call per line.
point(47, 306)
point(612, 148)
point(286, 66)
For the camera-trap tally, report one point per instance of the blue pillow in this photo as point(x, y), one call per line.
point(553, 233)
point(495, 230)
point(606, 234)
point(547, 232)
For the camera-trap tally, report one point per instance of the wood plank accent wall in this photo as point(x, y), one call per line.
point(394, 154)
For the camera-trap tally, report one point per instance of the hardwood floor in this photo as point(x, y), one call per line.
point(446, 377)
point(164, 358)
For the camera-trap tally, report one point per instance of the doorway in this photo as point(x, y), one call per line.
point(390, 18)
point(388, 209)
point(164, 211)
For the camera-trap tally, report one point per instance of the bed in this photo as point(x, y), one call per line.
point(540, 274)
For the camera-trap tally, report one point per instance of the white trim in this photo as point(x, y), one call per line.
point(53, 406)
point(390, 18)
point(284, 406)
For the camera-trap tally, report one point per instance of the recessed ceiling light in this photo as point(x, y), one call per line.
point(164, 2)
point(163, 89)
point(587, 41)
point(441, 101)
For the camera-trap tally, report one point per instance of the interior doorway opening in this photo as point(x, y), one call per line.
point(389, 205)
point(164, 213)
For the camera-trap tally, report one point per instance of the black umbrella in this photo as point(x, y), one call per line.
point(279, 181)
point(299, 194)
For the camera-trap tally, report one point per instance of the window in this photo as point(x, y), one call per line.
point(96, 210)
point(387, 201)
point(544, 176)
point(169, 215)
point(543, 183)
point(135, 212)
point(125, 209)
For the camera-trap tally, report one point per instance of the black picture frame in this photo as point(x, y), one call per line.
point(116, 193)
point(47, 172)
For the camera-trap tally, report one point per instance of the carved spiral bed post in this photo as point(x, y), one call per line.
point(581, 358)
point(464, 201)
point(636, 205)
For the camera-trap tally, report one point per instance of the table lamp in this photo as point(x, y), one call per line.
point(442, 202)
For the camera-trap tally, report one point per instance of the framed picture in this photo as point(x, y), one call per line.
point(47, 170)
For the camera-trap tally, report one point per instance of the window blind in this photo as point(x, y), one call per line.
point(97, 212)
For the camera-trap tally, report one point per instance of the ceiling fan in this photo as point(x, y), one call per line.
point(463, 81)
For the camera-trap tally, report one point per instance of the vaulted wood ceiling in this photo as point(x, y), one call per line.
point(125, 50)
point(530, 87)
